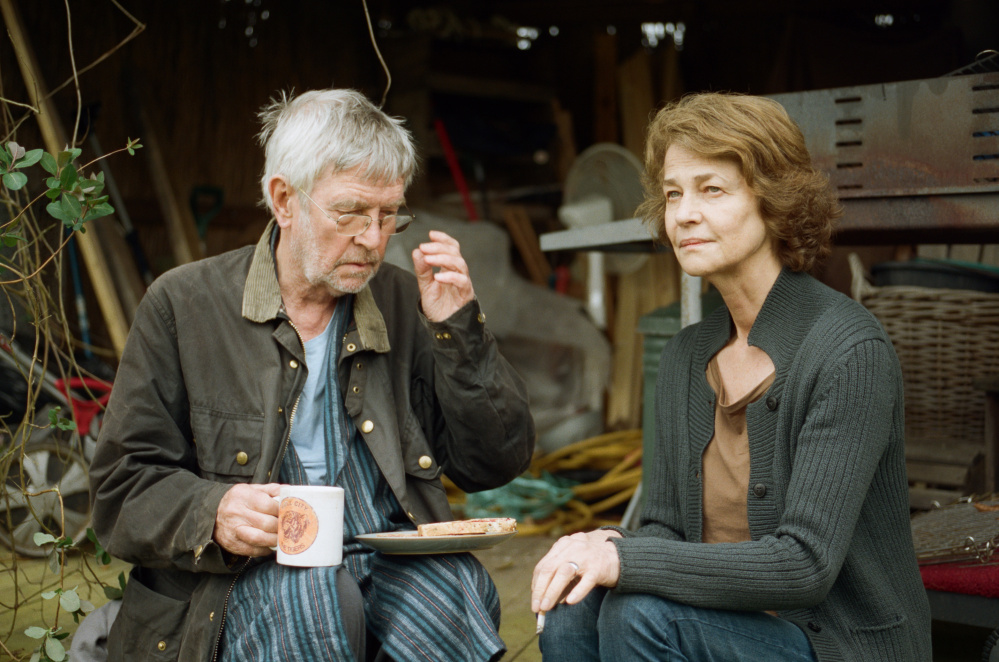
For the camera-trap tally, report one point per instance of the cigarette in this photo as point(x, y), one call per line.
point(541, 622)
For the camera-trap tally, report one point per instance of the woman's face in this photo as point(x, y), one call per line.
point(713, 219)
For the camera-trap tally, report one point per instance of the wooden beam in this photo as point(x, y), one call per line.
point(605, 88)
point(55, 141)
point(635, 97)
point(181, 229)
point(518, 223)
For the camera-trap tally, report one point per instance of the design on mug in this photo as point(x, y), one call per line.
point(298, 525)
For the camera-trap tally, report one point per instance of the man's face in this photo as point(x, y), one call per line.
point(326, 259)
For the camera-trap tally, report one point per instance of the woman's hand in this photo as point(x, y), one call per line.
point(590, 559)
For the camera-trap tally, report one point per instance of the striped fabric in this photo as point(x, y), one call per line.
point(422, 608)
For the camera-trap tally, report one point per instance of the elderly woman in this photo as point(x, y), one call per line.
point(776, 522)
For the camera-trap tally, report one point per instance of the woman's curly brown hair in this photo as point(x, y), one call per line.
point(796, 203)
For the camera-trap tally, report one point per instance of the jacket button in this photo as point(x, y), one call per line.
point(446, 335)
point(482, 318)
point(293, 363)
point(356, 389)
point(359, 365)
point(198, 550)
point(814, 627)
point(161, 645)
point(367, 426)
point(772, 403)
point(242, 458)
point(438, 336)
point(280, 410)
point(211, 616)
point(760, 490)
point(351, 347)
point(425, 461)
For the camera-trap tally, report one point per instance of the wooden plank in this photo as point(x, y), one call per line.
point(605, 88)
point(932, 251)
point(939, 475)
point(966, 252)
point(924, 498)
point(518, 223)
point(635, 99)
point(990, 255)
point(55, 141)
point(625, 344)
point(181, 229)
point(566, 140)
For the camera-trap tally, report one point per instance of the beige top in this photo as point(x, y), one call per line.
point(726, 463)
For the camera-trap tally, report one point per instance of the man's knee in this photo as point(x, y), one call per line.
point(351, 611)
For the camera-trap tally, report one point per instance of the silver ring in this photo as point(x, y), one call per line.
point(575, 568)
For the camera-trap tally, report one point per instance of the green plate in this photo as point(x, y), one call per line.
point(410, 542)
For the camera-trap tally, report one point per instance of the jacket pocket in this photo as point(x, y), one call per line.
point(148, 627)
point(418, 458)
point(228, 444)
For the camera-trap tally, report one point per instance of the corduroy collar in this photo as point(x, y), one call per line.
point(262, 296)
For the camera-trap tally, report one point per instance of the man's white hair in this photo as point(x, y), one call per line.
point(305, 135)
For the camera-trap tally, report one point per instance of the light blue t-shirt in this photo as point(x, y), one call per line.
point(307, 429)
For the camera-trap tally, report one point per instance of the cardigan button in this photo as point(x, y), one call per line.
point(242, 458)
point(425, 462)
point(760, 490)
point(772, 403)
point(161, 645)
point(367, 426)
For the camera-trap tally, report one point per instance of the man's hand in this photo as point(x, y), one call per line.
point(442, 293)
point(246, 523)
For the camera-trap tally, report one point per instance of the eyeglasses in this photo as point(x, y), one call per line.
point(352, 225)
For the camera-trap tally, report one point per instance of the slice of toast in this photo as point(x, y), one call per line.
point(469, 526)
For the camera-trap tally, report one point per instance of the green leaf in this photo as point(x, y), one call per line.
point(121, 580)
point(43, 538)
point(4, 157)
point(55, 650)
point(86, 606)
point(55, 211)
point(36, 656)
point(69, 600)
point(67, 157)
point(49, 164)
point(30, 159)
point(48, 595)
point(112, 593)
point(36, 632)
point(69, 177)
point(10, 239)
point(98, 210)
point(62, 423)
point(15, 181)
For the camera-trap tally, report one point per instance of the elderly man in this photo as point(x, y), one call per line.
point(306, 360)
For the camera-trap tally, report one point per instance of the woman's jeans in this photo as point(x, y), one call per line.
point(637, 626)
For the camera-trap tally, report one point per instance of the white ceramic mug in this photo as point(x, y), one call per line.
point(310, 526)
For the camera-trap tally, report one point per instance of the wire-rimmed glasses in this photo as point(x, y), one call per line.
point(352, 225)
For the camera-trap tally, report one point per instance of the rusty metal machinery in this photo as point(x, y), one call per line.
point(920, 157)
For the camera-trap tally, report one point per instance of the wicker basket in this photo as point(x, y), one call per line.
point(944, 339)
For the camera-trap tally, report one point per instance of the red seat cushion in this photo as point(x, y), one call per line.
point(969, 578)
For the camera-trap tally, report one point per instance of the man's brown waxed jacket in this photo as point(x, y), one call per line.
point(205, 395)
